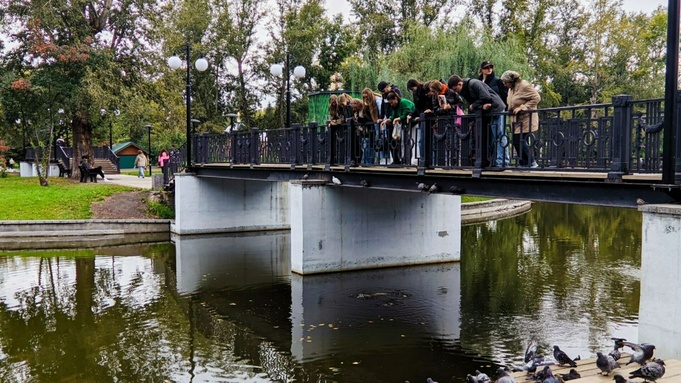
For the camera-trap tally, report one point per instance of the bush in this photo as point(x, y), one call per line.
point(160, 210)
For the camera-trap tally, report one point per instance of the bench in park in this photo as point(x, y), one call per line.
point(86, 173)
point(63, 170)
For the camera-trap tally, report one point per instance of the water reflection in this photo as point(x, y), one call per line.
point(227, 309)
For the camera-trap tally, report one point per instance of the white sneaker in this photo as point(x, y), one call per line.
point(534, 165)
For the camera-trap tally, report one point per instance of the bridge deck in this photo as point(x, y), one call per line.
point(591, 374)
point(510, 172)
point(548, 184)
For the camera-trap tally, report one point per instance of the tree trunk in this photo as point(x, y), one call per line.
point(82, 140)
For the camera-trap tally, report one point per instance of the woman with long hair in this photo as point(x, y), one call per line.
point(372, 104)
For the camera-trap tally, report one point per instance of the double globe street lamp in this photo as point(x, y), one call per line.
point(299, 72)
point(201, 65)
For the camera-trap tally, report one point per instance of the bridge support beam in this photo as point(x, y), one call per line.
point(345, 228)
point(659, 308)
point(215, 205)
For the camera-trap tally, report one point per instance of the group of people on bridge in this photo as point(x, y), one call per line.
point(381, 119)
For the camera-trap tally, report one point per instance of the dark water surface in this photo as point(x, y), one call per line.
point(227, 309)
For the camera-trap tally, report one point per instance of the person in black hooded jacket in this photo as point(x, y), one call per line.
point(488, 77)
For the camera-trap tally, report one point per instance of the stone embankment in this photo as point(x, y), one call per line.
point(476, 212)
point(37, 235)
point(86, 233)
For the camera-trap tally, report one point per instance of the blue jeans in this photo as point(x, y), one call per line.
point(141, 171)
point(499, 141)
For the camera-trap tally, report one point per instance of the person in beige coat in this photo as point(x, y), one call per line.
point(522, 97)
point(140, 163)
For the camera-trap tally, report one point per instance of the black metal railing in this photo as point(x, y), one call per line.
point(618, 138)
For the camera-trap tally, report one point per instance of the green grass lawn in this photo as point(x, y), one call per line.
point(24, 198)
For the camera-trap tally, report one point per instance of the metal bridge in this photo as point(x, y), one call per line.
point(604, 154)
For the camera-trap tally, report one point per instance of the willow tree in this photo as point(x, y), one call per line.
point(437, 54)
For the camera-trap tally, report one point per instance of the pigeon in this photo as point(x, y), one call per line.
point(364, 183)
point(433, 188)
point(531, 366)
point(651, 371)
point(548, 376)
point(642, 352)
point(503, 376)
point(562, 358)
point(306, 176)
point(541, 375)
point(421, 186)
point(606, 363)
point(481, 376)
point(620, 379)
point(457, 190)
point(335, 180)
point(571, 375)
point(531, 350)
point(615, 352)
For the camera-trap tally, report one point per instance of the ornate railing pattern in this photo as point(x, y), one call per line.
point(622, 137)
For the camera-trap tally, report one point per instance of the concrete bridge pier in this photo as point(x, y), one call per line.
point(215, 205)
point(336, 228)
point(660, 305)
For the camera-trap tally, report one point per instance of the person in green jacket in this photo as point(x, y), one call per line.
point(401, 108)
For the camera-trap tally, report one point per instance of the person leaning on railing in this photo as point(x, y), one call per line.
point(372, 106)
point(401, 108)
point(481, 98)
point(339, 112)
point(522, 97)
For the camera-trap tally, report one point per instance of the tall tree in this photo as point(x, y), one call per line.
point(69, 48)
point(382, 24)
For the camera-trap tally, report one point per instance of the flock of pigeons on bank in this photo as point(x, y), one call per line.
point(651, 368)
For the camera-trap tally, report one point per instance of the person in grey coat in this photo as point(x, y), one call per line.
point(482, 98)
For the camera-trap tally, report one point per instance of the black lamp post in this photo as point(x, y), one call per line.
point(299, 72)
point(149, 135)
point(23, 133)
point(670, 143)
point(201, 65)
point(116, 113)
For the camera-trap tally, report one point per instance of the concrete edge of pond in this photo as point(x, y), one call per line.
point(476, 212)
point(90, 233)
point(86, 233)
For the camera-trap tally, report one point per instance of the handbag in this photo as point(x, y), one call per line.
point(397, 131)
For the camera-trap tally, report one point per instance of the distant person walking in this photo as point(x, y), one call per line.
point(140, 163)
point(164, 163)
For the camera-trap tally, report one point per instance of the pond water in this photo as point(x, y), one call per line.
point(227, 309)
